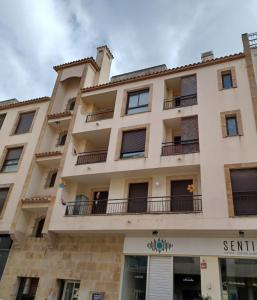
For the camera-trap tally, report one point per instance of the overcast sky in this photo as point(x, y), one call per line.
point(37, 34)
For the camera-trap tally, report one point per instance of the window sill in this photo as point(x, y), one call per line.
point(7, 172)
point(14, 134)
point(138, 113)
point(233, 136)
point(225, 89)
point(137, 157)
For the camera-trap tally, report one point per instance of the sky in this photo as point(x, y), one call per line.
point(35, 35)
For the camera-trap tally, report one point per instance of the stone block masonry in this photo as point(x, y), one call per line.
point(94, 261)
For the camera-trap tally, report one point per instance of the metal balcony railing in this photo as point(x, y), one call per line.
point(184, 147)
point(91, 157)
point(252, 40)
point(180, 101)
point(101, 115)
point(150, 205)
point(245, 203)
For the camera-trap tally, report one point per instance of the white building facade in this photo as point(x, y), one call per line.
point(142, 186)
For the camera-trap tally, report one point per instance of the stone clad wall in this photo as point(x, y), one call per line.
point(95, 261)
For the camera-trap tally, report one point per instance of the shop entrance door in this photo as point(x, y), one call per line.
point(160, 278)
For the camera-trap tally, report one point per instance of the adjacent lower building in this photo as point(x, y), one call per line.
point(141, 187)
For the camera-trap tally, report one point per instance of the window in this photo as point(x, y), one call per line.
point(39, 224)
point(12, 159)
point(51, 177)
point(133, 144)
point(244, 191)
point(27, 288)
point(134, 277)
point(62, 138)
point(68, 290)
point(71, 104)
point(231, 123)
point(5, 246)
point(137, 102)
point(2, 117)
point(24, 123)
point(227, 80)
point(3, 196)
point(239, 278)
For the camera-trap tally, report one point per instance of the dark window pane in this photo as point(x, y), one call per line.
point(25, 121)
point(39, 227)
point(72, 105)
point(2, 117)
point(227, 81)
point(231, 126)
point(12, 159)
point(3, 196)
point(52, 179)
point(63, 139)
point(27, 288)
point(5, 245)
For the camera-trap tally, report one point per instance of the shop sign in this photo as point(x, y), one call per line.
point(159, 245)
point(238, 247)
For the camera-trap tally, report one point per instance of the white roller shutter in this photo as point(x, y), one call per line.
point(160, 282)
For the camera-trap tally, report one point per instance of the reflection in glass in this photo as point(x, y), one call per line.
point(239, 279)
point(134, 278)
point(187, 278)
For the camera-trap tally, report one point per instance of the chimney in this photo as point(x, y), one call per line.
point(104, 59)
point(206, 56)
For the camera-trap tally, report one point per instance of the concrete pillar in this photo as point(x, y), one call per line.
point(210, 277)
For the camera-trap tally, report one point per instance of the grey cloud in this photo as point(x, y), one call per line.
point(35, 35)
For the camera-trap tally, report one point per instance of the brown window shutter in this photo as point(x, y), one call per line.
point(133, 141)
point(244, 187)
point(244, 180)
point(188, 85)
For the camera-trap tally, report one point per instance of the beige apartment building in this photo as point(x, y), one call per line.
point(138, 187)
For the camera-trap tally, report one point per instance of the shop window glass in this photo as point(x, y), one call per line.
point(134, 278)
point(187, 278)
point(239, 279)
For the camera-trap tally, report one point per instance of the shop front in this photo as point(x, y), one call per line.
point(167, 268)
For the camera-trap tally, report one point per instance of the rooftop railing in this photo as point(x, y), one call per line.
point(91, 157)
point(184, 147)
point(101, 115)
point(142, 205)
point(180, 101)
point(252, 40)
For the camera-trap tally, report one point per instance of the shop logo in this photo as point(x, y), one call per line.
point(159, 245)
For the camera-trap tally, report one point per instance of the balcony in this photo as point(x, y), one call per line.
point(91, 147)
point(180, 101)
point(180, 92)
point(245, 203)
point(100, 115)
point(151, 205)
point(183, 147)
point(91, 157)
